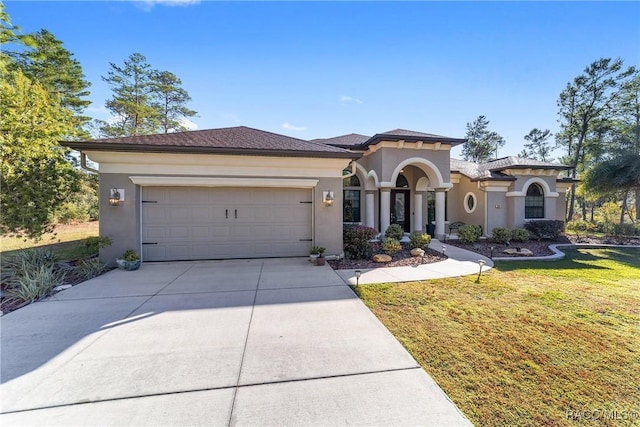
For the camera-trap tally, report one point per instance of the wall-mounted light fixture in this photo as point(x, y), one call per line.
point(327, 198)
point(116, 197)
point(498, 206)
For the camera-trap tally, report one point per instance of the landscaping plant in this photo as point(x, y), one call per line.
point(469, 233)
point(357, 241)
point(501, 235)
point(545, 229)
point(520, 235)
point(390, 245)
point(419, 240)
point(394, 231)
point(30, 275)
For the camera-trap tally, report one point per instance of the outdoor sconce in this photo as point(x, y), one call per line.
point(116, 197)
point(358, 274)
point(327, 198)
point(498, 206)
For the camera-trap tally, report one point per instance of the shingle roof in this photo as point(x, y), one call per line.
point(405, 132)
point(493, 168)
point(234, 140)
point(349, 140)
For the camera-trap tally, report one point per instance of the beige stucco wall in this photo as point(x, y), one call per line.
point(122, 223)
point(496, 210)
point(456, 208)
point(386, 160)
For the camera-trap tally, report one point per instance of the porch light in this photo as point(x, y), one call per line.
point(327, 198)
point(116, 197)
point(358, 274)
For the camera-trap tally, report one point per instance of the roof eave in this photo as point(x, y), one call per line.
point(130, 148)
point(386, 136)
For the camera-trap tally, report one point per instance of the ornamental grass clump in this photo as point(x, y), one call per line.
point(30, 275)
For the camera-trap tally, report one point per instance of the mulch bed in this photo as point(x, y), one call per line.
point(399, 259)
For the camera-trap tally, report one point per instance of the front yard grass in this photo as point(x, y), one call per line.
point(535, 343)
point(67, 241)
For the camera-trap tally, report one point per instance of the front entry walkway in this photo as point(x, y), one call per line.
point(460, 263)
point(243, 342)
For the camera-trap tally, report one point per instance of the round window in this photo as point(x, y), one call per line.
point(470, 202)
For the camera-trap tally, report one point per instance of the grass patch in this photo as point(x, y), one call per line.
point(67, 241)
point(530, 342)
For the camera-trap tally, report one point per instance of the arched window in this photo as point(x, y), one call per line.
point(534, 202)
point(401, 182)
point(351, 199)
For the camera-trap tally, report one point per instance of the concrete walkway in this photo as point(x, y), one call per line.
point(245, 342)
point(460, 263)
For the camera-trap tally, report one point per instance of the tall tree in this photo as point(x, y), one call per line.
point(170, 101)
point(54, 67)
point(482, 144)
point(131, 103)
point(537, 146)
point(584, 101)
point(36, 178)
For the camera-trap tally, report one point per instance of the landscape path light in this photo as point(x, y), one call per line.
point(480, 263)
point(358, 274)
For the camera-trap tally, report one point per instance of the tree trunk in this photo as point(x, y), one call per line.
point(593, 209)
point(624, 206)
point(583, 206)
point(638, 204)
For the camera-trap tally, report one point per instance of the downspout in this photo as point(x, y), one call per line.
point(83, 163)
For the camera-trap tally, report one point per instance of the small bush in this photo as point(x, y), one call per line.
point(580, 226)
point(394, 231)
point(501, 235)
point(390, 245)
point(93, 244)
point(520, 235)
point(89, 268)
point(469, 233)
point(545, 229)
point(419, 240)
point(624, 229)
point(130, 255)
point(31, 274)
point(357, 242)
point(15, 265)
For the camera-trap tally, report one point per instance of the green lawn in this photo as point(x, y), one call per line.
point(66, 240)
point(532, 341)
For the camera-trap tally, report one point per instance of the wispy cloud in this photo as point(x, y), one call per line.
point(188, 124)
point(147, 5)
point(345, 98)
point(289, 126)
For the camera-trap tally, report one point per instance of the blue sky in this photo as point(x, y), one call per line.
point(322, 69)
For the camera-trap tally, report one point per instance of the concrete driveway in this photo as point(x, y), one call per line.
point(242, 342)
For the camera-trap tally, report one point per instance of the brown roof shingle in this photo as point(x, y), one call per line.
point(233, 140)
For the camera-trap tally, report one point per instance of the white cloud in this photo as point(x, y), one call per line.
point(188, 124)
point(289, 126)
point(344, 98)
point(147, 5)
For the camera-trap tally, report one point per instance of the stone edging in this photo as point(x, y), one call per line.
point(558, 254)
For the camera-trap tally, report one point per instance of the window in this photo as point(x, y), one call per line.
point(351, 199)
point(470, 202)
point(401, 182)
point(534, 202)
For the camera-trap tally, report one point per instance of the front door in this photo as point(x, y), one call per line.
point(400, 208)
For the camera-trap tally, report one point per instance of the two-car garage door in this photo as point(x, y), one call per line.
point(188, 223)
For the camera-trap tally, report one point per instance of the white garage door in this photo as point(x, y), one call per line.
point(187, 223)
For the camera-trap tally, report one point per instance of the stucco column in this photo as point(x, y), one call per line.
point(385, 209)
point(440, 213)
point(417, 209)
point(369, 209)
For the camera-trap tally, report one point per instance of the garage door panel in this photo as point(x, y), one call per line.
point(186, 223)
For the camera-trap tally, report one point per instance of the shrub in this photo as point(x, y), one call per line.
point(545, 229)
point(93, 244)
point(469, 233)
point(130, 255)
point(89, 268)
point(390, 245)
point(317, 250)
point(31, 274)
point(419, 240)
point(357, 242)
point(501, 235)
point(520, 235)
point(394, 231)
point(624, 229)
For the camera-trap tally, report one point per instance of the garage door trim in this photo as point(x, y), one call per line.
point(184, 181)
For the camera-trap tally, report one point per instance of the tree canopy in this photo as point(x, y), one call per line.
point(482, 144)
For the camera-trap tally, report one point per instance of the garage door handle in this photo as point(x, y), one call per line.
point(236, 213)
point(226, 213)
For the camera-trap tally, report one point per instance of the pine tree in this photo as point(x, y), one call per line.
point(482, 144)
point(537, 146)
point(169, 100)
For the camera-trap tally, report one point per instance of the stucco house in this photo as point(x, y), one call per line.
point(244, 193)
